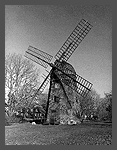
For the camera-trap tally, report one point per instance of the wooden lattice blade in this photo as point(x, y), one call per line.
point(73, 40)
point(81, 85)
point(70, 78)
point(42, 86)
point(38, 56)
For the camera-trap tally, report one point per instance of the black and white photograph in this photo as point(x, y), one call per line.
point(58, 75)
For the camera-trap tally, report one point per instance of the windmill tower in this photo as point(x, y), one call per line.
point(62, 76)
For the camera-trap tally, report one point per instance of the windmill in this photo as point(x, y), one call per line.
point(62, 73)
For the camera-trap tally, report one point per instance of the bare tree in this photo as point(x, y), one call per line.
point(89, 104)
point(21, 80)
point(105, 107)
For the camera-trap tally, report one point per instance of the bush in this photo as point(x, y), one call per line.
point(9, 120)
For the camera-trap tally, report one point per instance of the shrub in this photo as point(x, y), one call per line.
point(9, 120)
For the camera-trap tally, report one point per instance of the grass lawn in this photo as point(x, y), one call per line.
point(83, 134)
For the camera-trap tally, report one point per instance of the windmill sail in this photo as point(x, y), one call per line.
point(80, 85)
point(34, 53)
point(70, 78)
point(73, 40)
point(42, 87)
